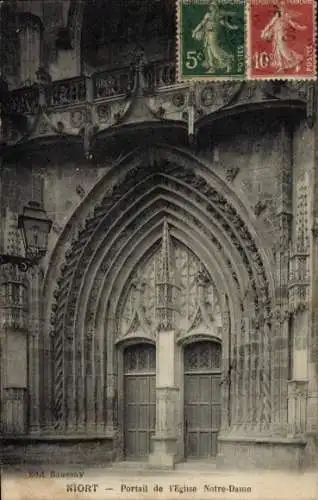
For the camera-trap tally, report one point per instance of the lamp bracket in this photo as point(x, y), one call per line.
point(23, 263)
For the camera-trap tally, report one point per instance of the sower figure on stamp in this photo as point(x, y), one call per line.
point(276, 30)
point(207, 30)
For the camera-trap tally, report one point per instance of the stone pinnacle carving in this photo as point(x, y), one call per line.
point(165, 283)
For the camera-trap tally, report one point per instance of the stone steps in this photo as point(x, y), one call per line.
point(142, 467)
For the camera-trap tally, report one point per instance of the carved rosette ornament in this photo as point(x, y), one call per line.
point(103, 113)
point(217, 95)
point(77, 118)
point(178, 99)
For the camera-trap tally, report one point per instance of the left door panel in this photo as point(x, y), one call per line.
point(140, 400)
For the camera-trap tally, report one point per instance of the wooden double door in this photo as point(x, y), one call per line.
point(202, 408)
point(202, 399)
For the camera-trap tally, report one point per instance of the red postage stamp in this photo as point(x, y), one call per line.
point(281, 39)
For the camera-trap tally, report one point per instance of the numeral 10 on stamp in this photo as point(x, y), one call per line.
point(281, 39)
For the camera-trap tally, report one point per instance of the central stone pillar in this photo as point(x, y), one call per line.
point(165, 439)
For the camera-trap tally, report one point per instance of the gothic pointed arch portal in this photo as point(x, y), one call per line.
point(169, 289)
point(168, 248)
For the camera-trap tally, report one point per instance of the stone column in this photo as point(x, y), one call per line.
point(235, 376)
point(227, 366)
point(313, 337)
point(255, 388)
point(165, 439)
point(279, 335)
point(246, 378)
point(251, 331)
point(15, 350)
point(100, 381)
point(90, 382)
point(34, 351)
point(312, 422)
point(110, 389)
point(70, 383)
point(80, 384)
point(299, 299)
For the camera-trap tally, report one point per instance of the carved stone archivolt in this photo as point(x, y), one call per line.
point(119, 244)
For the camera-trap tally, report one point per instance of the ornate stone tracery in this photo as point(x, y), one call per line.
point(147, 194)
point(141, 310)
point(299, 255)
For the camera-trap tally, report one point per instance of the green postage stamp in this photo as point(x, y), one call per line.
point(211, 39)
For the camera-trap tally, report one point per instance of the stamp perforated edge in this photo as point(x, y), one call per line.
point(209, 78)
point(281, 78)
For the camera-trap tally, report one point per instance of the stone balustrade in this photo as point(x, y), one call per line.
point(66, 92)
point(109, 84)
point(106, 84)
point(85, 106)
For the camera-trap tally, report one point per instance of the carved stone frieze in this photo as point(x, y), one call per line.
point(285, 89)
point(66, 102)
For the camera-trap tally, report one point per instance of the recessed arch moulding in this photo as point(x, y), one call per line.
point(106, 291)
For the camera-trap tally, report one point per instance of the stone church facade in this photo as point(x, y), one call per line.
point(174, 316)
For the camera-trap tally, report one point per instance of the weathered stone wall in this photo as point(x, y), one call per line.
point(248, 155)
point(57, 452)
point(65, 185)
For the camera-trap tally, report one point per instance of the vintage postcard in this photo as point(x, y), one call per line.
point(282, 39)
point(158, 250)
point(211, 39)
